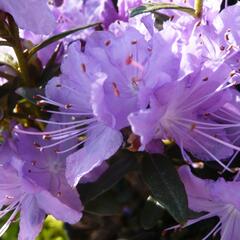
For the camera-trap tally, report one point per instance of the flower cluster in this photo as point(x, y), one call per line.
point(162, 85)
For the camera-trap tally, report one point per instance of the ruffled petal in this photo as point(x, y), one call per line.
point(52, 205)
point(32, 15)
point(31, 219)
point(102, 143)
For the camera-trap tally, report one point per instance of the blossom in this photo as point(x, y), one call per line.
point(31, 15)
point(28, 185)
point(71, 14)
point(88, 92)
point(183, 111)
point(217, 198)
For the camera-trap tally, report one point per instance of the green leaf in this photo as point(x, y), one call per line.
point(123, 162)
point(151, 214)
point(152, 7)
point(159, 20)
point(105, 205)
point(53, 65)
point(30, 93)
point(163, 181)
point(58, 37)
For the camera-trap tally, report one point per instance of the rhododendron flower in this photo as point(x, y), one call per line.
point(98, 96)
point(183, 111)
point(71, 14)
point(33, 184)
point(217, 198)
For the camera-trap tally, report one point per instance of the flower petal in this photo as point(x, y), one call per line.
point(102, 143)
point(52, 205)
point(31, 219)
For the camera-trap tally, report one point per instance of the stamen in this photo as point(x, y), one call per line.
point(212, 231)
point(9, 221)
point(69, 113)
point(81, 122)
point(218, 140)
point(206, 150)
point(71, 148)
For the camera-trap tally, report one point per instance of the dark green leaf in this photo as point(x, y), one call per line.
point(58, 37)
point(163, 181)
point(52, 68)
point(159, 20)
point(105, 205)
point(152, 7)
point(30, 93)
point(123, 162)
point(151, 214)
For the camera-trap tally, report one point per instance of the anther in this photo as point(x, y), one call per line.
point(34, 162)
point(67, 106)
point(41, 103)
point(59, 194)
point(193, 126)
point(222, 48)
point(107, 43)
point(46, 137)
point(83, 66)
point(37, 145)
point(129, 59)
point(115, 89)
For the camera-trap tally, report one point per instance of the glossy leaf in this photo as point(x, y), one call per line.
point(163, 181)
point(123, 162)
point(105, 205)
point(151, 214)
point(152, 7)
point(58, 37)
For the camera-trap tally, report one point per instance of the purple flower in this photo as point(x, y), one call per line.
point(184, 111)
point(217, 198)
point(96, 88)
point(228, 21)
point(71, 14)
point(31, 183)
point(31, 15)
point(124, 6)
point(96, 92)
point(229, 114)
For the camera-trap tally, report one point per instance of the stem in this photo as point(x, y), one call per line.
point(18, 49)
point(58, 37)
point(22, 62)
point(7, 76)
point(198, 5)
